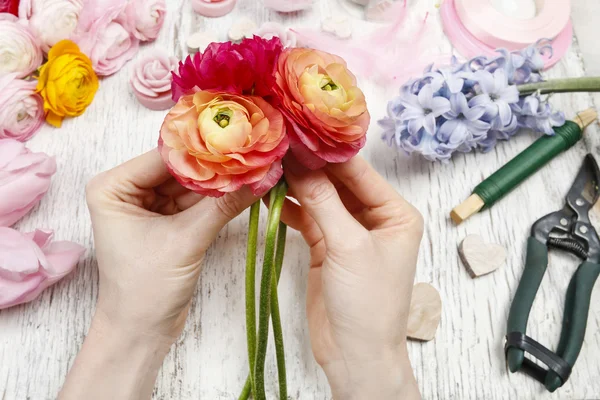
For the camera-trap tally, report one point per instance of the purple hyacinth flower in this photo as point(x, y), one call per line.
point(421, 110)
point(446, 78)
point(501, 95)
point(533, 113)
point(463, 126)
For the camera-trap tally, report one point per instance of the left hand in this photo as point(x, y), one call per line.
point(150, 235)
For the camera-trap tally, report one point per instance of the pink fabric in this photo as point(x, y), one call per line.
point(21, 108)
point(101, 35)
point(469, 46)
point(151, 80)
point(144, 18)
point(24, 179)
point(30, 262)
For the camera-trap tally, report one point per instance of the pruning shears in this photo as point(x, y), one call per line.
point(569, 230)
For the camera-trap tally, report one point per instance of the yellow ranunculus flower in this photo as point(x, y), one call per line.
point(67, 82)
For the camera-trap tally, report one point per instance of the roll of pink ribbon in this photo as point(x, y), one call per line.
point(469, 45)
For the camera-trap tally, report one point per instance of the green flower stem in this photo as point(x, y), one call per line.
point(275, 316)
point(584, 84)
point(278, 192)
point(251, 285)
point(246, 390)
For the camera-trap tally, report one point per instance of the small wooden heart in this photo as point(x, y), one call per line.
point(425, 312)
point(481, 258)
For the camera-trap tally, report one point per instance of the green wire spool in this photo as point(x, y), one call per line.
point(523, 166)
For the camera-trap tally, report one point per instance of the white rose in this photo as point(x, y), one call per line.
point(51, 20)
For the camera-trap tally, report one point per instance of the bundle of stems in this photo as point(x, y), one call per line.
point(268, 300)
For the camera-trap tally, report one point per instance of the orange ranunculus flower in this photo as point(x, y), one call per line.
point(215, 142)
point(67, 82)
point(326, 112)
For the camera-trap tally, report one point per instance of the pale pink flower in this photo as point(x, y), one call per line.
point(151, 80)
point(20, 52)
point(21, 108)
point(144, 18)
point(24, 179)
point(103, 38)
point(30, 262)
point(51, 20)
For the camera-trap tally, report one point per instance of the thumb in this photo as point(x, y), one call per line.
point(207, 217)
point(319, 198)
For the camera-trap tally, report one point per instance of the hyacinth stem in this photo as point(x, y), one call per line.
point(266, 293)
point(251, 285)
point(584, 84)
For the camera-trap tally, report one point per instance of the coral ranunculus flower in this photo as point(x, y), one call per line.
point(67, 82)
point(246, 68)
point(326, 112)
point(214, 143)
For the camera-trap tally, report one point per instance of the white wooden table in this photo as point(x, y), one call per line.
point(39, 341)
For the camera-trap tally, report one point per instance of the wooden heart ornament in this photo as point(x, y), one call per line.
point(481, 258)
point(425, 312)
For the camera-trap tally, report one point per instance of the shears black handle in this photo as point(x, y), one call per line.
point(575, 317)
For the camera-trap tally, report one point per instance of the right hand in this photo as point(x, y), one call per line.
point(364, 240)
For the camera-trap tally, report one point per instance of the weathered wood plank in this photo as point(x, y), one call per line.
point(39, 341)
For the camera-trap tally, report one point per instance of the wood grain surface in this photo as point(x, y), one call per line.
point(39, 341)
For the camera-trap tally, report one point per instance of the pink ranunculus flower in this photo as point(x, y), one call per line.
point(21, 108)
point(30, 262)
point(20, 52)
point(24, 179)
point(51, 20)
point(151, 80)
point(103, 38)
point(325, 110)
point(144, 18)
point(214, 143)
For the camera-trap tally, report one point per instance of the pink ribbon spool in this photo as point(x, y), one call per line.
point(470, 46)
point(214, 8)
point(498, 30)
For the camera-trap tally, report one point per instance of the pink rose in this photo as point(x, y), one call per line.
point(30, 262)
point(103, 38)
point(151, 80)
point(24, 179)
point(21, 108)
point(19, 49)
point(144, 18)
point(51, 20)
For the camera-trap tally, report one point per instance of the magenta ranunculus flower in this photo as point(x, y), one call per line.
point(144, 18)
point(246, 68)
point(30, 262)
point(21, 108)
point(103, 38)
point(24, 179)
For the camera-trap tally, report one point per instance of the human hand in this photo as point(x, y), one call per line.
point(364, 240)
point(150, 235)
